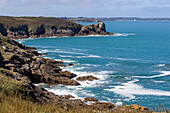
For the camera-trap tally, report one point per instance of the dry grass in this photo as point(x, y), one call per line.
point(14, 104)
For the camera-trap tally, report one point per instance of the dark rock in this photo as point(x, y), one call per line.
point(44, 54)
point(70, 64)
point(89, 78)
point(68, 96)
point(67, 74)
point(90, 99)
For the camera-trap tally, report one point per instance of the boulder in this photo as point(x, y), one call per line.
point(70, 64)
point(67, 74)
point(89, 78)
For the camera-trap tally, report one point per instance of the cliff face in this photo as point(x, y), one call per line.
point(25, 27)
point(97, 29)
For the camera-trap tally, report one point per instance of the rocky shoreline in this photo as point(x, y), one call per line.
point(23, 64)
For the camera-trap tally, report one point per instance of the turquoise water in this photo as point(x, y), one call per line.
point(133, 66)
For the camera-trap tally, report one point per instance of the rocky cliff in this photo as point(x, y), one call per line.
point(34, 27)
point(21, 66)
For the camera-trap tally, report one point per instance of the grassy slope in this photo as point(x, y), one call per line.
point(15, 21)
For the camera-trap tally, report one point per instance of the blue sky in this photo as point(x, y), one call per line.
point(90, 8)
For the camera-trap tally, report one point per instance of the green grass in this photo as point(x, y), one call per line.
point(17, 21)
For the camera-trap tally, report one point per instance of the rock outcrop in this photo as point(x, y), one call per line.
point(89, 78)
point(26, 62)
point(97, 29)
point(90, 99)
point(35, 27)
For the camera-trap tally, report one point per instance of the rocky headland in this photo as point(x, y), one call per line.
point(22, 66)
point(35, 27)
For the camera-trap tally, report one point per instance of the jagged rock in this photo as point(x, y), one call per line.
point(97, 29)
point(67, 74)
point(89, 78)
point(68, 96)
point(90, 99)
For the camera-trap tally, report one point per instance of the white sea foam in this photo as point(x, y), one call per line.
point(46, 47)
point(88, 56)
point(24, 40)
point(124, 34)
point(159, 81)
point(130, 89)
point(123, 59)
point(66, 60)
point(163, 73)
point(49, 57)
point(161, 65)
point(110, 64)
point(75, 49)
point(80, 68)
point(70, 90)
point(93, 65)
point(60, 51)
point(64, 91)
point(101, 75)
point(43, 51)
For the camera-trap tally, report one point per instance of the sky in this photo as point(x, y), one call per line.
point(86, 8)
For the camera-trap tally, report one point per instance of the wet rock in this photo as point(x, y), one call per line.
point(89, 78)
point(70, 64)
point(67, 74)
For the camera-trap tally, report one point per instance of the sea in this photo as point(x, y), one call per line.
point(133, 65)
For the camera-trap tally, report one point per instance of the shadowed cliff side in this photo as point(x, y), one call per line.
point(34, 27)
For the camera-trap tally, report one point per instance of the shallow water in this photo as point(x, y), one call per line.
point(133, 66)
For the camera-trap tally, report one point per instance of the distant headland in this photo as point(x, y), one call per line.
point(34, 27)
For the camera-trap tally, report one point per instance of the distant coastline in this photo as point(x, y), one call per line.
point(103, 19)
